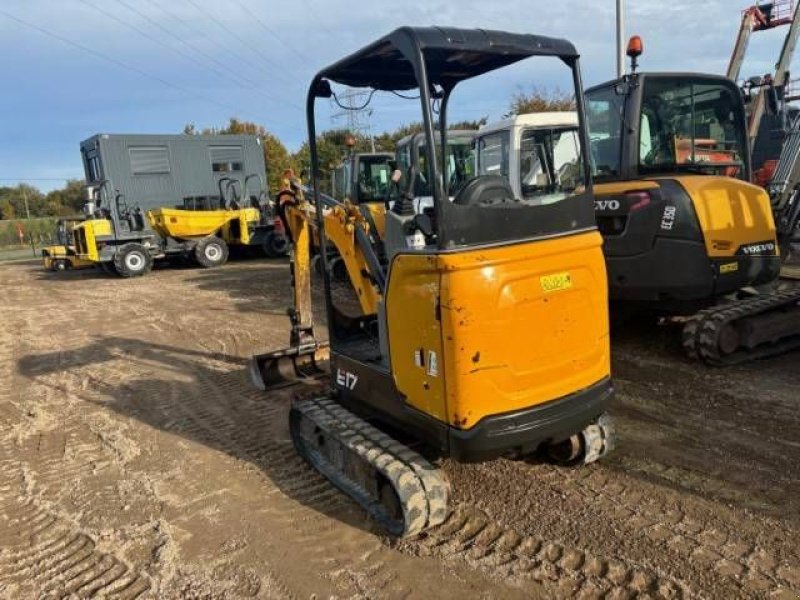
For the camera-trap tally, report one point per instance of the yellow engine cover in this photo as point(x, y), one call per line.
point(487, 331)
point(86, 234)
point(731, 212)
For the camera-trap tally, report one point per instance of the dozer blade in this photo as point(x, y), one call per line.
point(274, 370)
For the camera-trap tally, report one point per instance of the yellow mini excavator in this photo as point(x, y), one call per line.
point(685, 233)
point(481, 327)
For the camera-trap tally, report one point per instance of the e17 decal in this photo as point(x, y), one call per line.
point(346, 379)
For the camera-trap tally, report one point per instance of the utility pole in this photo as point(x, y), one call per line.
point(620, 38)
point(358, 119)
point(25, 199)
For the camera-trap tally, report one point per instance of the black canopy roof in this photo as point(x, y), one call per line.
point(451, 55)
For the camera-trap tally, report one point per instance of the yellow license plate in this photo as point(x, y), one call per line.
point(556, 281)
point(729, 268)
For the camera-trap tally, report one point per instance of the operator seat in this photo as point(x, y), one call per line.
point(485, 189)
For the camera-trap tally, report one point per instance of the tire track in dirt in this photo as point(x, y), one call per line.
point(619, 530)
point(228, 415)
point(683, 545)
point(41, 552)
point(470, 535)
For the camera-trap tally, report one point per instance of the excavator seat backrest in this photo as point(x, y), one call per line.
point(138, 220)
point(485, 189)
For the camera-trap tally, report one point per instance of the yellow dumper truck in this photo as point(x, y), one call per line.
point(153, 197)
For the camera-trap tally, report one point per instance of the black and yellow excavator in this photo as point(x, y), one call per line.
point(685, 232)
point(478, 328)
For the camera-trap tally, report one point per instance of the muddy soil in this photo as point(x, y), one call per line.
point(137, 462)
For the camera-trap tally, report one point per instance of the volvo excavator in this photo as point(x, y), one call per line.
point(685, 232)
point(479, 326)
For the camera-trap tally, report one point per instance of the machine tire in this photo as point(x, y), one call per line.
point(275, 245)
point(132, 260)
point(60, 265)
point(211, 252)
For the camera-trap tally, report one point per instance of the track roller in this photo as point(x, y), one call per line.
point(592, 443)
point(397, 487)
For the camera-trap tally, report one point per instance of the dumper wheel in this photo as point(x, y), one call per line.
point(275, 244)
point(211, 252)
point(132, 260)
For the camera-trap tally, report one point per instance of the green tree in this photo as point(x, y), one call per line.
point(540, 100)
point(68, 200)
point(331, 149)
point(7, 210)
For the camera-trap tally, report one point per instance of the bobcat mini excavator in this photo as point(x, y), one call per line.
point(685, 233)
point(483, 332)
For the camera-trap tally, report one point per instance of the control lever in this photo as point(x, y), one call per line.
point(405, 205)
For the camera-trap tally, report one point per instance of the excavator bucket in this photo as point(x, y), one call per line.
point(278, 369)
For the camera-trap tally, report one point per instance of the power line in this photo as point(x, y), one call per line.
point(196, 31)
point(180, 53)
point(320, 25)
point(189, 45)
point(142, 33)
point(118, 63)
point(236, 36)
point(294, 51)
point(217, 43)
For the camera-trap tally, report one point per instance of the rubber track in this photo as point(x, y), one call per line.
point(420, 488)
point(701, 332)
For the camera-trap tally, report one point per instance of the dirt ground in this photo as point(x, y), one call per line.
point(137, 462)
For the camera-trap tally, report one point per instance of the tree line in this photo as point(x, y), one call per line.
point(25, 201)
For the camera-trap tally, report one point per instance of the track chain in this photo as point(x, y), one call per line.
point(701, 333)
point(356, 457)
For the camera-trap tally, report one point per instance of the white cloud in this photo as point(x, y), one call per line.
point(63, 89)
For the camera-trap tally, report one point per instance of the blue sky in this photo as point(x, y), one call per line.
point(154, 66)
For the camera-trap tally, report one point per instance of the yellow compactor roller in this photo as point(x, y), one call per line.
point(480, 325)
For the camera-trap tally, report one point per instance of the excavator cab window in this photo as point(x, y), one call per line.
point(458, 161)
point(604, 115)
point(493, 154)
point(690, 124)
point(551, 166)
point(373, 178)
